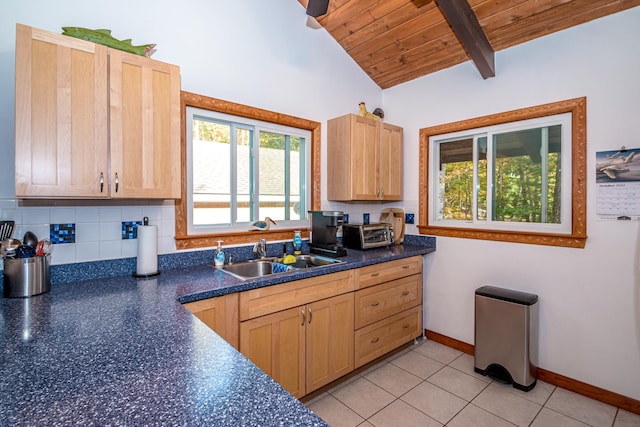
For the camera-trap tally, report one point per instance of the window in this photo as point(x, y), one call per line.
point(516, 176)
point(240, 170)
point(241, 165)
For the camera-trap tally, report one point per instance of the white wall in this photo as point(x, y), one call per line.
point(258, 53)
point(589, 298)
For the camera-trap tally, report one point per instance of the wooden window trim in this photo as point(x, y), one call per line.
point(578, 236)
point(187, 99)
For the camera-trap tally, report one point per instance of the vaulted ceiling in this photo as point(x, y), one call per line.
point(395, 41)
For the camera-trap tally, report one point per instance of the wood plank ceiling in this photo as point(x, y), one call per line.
point(395, 41)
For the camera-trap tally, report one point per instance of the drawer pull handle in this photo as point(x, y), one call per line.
point(303, 317)
point(406, 266)
point(375, 304)
point(405, 293)
point(405, 326)
point(375, 340)
point(101, 181)
point(375, 274)
point(310, 315)
point(117, 182)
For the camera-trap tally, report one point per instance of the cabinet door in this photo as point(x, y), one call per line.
point(220, 314)
point(145, 127)
point(61, 116)
point(390, 158)
point(276, 344)
point(330, 340)
point(364, 161)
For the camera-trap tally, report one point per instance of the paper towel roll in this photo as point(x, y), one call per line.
point(147, 262)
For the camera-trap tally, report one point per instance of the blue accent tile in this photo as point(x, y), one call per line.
point(365, 218)
point(130, 229)
point(345, 218)
point(62, 233)
point(409, 218)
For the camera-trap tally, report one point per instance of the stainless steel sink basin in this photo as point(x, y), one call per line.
point(249, 269)
point(265, 267)
point(307, 261)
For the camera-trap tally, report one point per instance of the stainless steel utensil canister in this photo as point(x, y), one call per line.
point(25, 277)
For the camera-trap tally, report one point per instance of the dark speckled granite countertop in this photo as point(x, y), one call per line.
point(123, 351)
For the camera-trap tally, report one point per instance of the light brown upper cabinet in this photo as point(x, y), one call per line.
point(364, 160)
point(93, 122)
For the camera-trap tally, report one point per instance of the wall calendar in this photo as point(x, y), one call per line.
point(618, 183)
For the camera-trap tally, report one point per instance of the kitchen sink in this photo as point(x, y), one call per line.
point(249, 269)
point(307, 261)
point(265, 267)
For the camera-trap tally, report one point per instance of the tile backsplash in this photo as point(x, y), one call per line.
point(62, 233)
point(356, 212)
point(91, 233)
point(96, 233)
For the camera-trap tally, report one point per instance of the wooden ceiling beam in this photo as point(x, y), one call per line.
point(466, 26)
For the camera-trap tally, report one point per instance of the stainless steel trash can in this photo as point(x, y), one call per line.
point(506, 336)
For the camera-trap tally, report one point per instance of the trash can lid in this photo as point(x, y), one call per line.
point(507, 295)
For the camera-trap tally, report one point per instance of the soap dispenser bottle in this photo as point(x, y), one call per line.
point(218, 259)
point(297, 242)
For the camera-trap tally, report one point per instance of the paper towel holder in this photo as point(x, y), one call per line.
point(145, 222)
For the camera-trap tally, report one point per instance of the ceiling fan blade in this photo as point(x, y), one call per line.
point(317, 8)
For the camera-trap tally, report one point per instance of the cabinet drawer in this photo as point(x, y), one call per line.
point(379, 338)
point(377, 302)
point(270, 299)
point(384, 272)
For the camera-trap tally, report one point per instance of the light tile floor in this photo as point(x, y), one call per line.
point(430, 384)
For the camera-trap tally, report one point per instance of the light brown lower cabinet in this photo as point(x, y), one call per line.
point(220, 314)
point(329, 340)
point(307, 333)
point(305, 347)
point(388, 307)
point(275, 343)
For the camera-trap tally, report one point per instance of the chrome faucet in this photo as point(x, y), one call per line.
point(260, 248)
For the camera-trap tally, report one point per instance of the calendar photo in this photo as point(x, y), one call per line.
point(618, 166)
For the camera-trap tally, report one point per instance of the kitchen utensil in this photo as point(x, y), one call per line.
point(8, 247)
point(6, 229)
point(40, 248)
point(25, 251)
point(47, 247)
point(30, 239)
